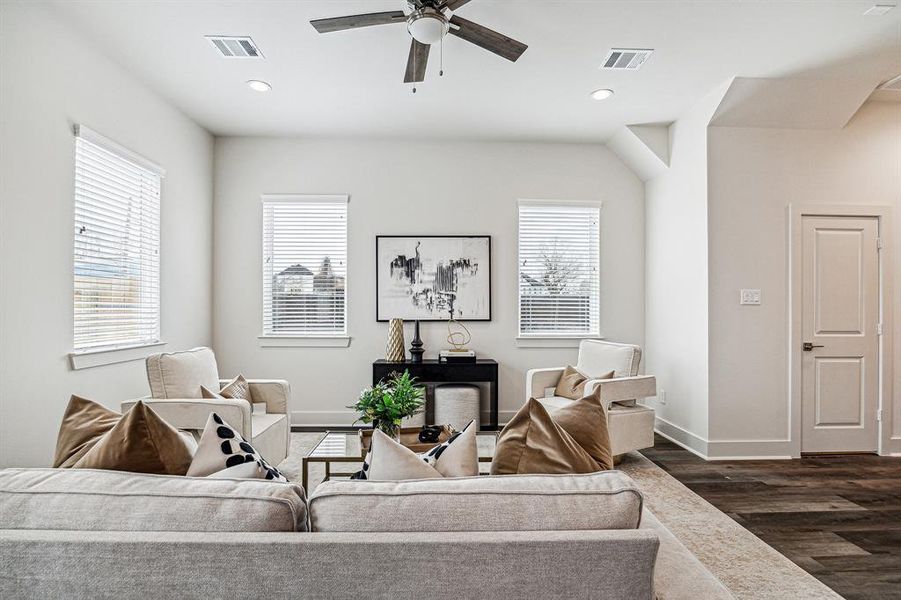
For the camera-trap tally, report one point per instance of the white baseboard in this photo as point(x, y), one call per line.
point(714, 450)
point(749, 450)
point(681, 437)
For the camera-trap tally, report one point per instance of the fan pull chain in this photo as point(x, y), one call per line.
point(441, 59)
point(414, 71)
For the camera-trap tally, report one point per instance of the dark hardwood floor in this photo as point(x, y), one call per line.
point(837, 517)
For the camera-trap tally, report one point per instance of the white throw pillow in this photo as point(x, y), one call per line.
point(222, 448)
point(390, 461)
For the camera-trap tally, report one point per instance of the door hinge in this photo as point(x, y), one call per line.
point(879, 243)
point(879, 416)
point(878, 328)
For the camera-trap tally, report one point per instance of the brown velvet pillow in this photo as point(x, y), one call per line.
point(533, 443)
point(585, 420)
point(572, 383)
point(84, 422)
point(93, 437)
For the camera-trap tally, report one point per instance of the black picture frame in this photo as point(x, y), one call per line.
point(378, 239)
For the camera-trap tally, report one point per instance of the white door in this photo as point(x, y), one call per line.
point(840, 360)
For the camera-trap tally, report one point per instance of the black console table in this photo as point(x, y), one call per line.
point(432, 371)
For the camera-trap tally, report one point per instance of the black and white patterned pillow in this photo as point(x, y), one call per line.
point(223, 452)
point(430, 457)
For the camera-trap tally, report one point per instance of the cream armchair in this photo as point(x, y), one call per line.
point(631, 425)
point(175, 379)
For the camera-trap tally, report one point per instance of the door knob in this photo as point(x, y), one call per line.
point(808, 346)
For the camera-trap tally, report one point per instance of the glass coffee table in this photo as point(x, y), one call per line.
point(344, 447)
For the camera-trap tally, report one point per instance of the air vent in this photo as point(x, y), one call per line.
point(231, 46)
point(626, 58)
point(892, 85)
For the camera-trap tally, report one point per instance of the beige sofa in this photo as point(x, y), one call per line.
point(104, 534)
point(631, 425)
point(175, 379)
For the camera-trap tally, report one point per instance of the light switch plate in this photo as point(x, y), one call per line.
point(750, 297)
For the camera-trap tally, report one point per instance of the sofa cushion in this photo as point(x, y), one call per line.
point(93, 437)
point(181, 374)
point(95, 500)
point(552, 403)
point(531, 442)
point(608, 500)
point(597, 358)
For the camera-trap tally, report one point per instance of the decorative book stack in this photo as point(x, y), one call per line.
point(457, 356)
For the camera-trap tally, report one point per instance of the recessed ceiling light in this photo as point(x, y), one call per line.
point(877, 10)
point(259, 86)
point(602, 94)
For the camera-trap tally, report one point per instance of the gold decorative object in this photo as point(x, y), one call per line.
point(458, 339)
point(394, 349)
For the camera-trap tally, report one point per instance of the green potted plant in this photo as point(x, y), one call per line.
point(386, 404)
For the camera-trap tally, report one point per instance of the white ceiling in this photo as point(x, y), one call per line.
point(350, 83)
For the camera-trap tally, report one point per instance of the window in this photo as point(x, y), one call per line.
point(117, 246)
point(304, 266)
point(559, 256)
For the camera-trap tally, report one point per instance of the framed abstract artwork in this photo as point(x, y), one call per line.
point(433, 277)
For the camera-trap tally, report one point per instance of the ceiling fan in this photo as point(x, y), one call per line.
point(427, 23)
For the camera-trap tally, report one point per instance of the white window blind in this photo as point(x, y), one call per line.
point(304, 265)
point(559, 256)
point(117, 245)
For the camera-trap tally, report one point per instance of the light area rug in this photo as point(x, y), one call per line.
point(746, 565)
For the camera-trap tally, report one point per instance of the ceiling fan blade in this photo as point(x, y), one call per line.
point(416, 62)
point(455, 4)
point(356, 21)
point(487, 39)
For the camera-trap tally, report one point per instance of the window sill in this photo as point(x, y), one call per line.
point(85, 359)
point(553, 341)
point(318, 341)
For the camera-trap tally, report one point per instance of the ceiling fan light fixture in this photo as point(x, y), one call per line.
point(602, 94)
point(427, 26)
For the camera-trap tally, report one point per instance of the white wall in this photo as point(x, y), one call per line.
point(51, 79)
point(401, 187)
point(754, 175)
point(676, 316)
